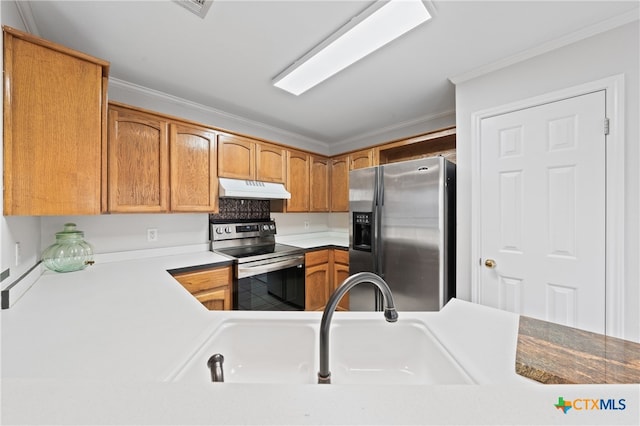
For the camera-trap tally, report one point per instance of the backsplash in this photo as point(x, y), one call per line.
point(232, 208)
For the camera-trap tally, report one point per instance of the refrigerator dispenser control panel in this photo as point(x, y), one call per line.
point(363, 218)
point(362, 231)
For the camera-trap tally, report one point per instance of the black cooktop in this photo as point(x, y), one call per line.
point(218, 221)
point(250, 252)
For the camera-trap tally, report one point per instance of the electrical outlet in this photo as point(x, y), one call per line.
point(152, 234)
point(306, 224)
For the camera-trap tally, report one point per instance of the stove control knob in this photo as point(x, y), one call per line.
point(227, 230)
point(272, 227)
point(265, 227)
point(219, 231)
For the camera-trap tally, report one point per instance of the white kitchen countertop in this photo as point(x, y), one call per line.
point(97, 346)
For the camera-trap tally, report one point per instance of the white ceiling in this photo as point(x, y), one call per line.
point(227, 60)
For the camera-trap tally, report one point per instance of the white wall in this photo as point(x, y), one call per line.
point(604, 55)
point(25, 230)
point(294, 223)
point(123, 232)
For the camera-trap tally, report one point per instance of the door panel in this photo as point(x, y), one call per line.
point(412, 235)
point(362, 187)
point(543, 211)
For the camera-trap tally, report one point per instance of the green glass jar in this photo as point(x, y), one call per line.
point(70, 251)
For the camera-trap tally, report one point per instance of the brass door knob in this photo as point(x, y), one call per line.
point(490, 263)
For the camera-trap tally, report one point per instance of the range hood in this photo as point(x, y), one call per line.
point(237, 188)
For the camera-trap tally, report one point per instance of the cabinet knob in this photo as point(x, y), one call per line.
point(490, 263)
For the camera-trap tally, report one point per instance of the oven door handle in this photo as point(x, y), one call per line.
point(278, 265)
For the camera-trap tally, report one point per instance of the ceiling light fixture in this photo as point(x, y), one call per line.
point(376, 26)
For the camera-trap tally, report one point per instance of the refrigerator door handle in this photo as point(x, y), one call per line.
point(378, 222)
point(374, 230)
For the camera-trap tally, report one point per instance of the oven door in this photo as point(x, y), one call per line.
point(271, 285)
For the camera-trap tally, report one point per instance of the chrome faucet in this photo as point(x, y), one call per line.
point(390, 314)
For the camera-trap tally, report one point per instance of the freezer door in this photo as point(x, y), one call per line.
point(412, 220)
point(362, 198)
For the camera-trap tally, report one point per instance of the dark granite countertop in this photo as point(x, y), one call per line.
point(556, 354)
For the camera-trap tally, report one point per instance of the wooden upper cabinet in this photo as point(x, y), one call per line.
point(339, 184)
point(319, 184)
point(298, 181)
point(54, 118)
point(236, 157)
point(439, 143)
point(157, 164)
point(362, 159)
point(194, 178)
point(271, 163)
point(138, 162)
point(244, 158)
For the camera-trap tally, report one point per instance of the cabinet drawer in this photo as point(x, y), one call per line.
point(316, 257)
point(204, 280)
point(341, 256)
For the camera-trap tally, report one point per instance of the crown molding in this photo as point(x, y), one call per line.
point(391, 128)
point(26, 15)
point(590, 31)
point(132, 87)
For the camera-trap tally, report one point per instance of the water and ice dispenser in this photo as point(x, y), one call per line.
point(362, 231)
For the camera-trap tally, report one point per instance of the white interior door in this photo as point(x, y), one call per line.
point(543, 211)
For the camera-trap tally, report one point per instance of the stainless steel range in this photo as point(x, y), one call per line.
point(269, 275)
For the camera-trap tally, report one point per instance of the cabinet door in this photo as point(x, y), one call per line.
point(316, 287)
point(340, 184)
point(236, 157)
point(212, 287)
point(362, 159)
point(138, 162)
point(194, 179)
point(298, 181)
point(53, 127)
point(271, 163)
point(218, 299)
point(319, 184)
point(341, 273)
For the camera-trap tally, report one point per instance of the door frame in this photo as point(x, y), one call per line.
point(615, 186)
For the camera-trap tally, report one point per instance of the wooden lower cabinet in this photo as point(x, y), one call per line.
point(212, 287)
point(218, 299)
point(325, 270)
point(317, 279)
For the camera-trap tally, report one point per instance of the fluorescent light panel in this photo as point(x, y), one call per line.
point(379, 24)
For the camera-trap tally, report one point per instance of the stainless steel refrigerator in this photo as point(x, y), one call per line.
point(402, 227)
